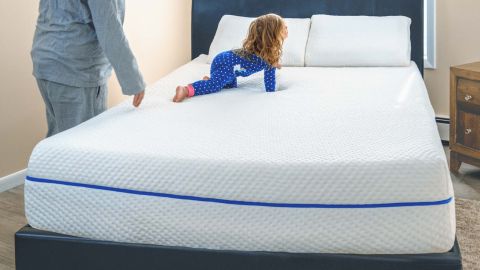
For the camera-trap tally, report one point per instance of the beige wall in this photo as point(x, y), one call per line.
point(159, 34)
point(22, 121)
point(458, 42)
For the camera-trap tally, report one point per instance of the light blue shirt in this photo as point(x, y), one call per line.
point(77, 42)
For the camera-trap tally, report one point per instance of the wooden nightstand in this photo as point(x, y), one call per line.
point(464, 115)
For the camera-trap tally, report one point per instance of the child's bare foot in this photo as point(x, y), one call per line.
point(206, 78)
point(181, 94)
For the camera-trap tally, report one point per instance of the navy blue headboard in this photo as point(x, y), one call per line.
point(207, 13)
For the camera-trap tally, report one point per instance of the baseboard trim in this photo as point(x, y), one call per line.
point(13, 180)
point(443, 124)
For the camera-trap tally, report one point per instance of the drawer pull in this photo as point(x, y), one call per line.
point(468, 98)
point(468, 131)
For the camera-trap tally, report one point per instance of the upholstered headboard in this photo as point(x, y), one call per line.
point(206, 15)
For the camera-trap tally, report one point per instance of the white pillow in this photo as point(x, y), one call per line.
point(232, 30)
point(359, 41)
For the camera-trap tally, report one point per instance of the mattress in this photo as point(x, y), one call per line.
point(339, 160)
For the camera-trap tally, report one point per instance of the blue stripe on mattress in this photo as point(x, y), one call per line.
point(234, 202)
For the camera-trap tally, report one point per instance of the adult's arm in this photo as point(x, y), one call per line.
point(109, 29)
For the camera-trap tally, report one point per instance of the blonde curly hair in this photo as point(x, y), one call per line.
point(264, 39)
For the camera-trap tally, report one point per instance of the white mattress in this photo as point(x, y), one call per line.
point(342, 160)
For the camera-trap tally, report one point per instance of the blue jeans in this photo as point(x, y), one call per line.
point(67, 106)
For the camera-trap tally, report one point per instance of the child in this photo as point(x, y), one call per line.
point(261, 51)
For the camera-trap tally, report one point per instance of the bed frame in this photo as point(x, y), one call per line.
point(36, 249)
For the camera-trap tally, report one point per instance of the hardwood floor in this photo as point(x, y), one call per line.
point(12, 218)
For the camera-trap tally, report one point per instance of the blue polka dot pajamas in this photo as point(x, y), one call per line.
point(225, 69)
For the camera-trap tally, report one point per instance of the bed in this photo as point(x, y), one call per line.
point(344, 174)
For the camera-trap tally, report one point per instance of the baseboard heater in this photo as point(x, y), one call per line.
point(443, 124)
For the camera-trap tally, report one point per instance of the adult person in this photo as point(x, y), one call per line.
point(76, 44)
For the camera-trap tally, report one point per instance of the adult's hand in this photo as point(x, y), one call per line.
point(137, 99)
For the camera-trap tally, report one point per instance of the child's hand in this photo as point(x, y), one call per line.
point(239, 71)
point(277, 65)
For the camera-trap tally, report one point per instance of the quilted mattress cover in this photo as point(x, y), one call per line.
point(339, 160)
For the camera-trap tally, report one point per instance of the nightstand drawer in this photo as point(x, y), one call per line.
point(468, 130)
point(468, 91)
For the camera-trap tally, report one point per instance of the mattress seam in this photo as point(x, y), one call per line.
point(238, 202)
